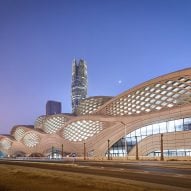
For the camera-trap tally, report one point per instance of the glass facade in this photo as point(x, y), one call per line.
point(124, 145)
point(79, 82)
point(172, 153)
point(53, 107)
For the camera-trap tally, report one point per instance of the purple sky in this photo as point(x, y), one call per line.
point(125, 42)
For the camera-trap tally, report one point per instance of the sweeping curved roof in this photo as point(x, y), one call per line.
point(164, 92)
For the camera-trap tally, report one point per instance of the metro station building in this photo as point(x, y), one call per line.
point(122, 126)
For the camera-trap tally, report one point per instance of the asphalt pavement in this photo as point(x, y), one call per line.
point(176, 174)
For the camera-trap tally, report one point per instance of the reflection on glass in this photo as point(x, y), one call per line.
point(163, 127)
point(156, 128)
point(149, 130)
point(118, 149)
point(187, 124)
point(144, 131)
point(170, 126)
point(179, 125)
point(171, 153)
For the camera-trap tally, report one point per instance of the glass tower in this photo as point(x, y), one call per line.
point(79, 82)
point(53, 107)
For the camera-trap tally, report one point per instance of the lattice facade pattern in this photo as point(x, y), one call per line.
point(91, 105)
point(5, 144)
point(31, 139)
point(164, 94)
point(39, 122)
point(81, 130)
point(53, 124)
point(19, 134)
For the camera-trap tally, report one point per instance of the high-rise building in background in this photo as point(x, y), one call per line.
point(79, 82)
point(53, 107)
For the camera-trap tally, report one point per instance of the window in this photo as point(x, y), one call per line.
point(187, 124)
point(170, 126)
point(156, 128)
point(179, 125)
point(162, 127)
point(144, 131)
point(137, 132)
point(149, 130)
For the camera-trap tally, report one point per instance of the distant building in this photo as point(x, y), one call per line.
point(53, 107)
point(79, 82)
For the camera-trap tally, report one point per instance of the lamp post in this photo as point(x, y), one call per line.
point(62, 150)
point(161, 146)
point(52, 152)
point(84, 151)
point(108, 155)
point(137, 151)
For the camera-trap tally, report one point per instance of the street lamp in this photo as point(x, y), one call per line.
point(84, 150)
point(52, 152)
point(62, 150)
point(108, 155)
point(162, 154)
point(137, 151)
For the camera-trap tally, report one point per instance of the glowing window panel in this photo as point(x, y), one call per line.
point(152, 89)
point(176, 83)
point(182, 85)
point(169, 88)
point(163, 92)
point(157, 85)
point(163, 86)
point(169, 82)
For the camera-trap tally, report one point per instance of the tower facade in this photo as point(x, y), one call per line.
point(79, 82)
point(53, 107)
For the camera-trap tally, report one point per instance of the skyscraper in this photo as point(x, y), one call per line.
point(79, 82)
point(53, 107)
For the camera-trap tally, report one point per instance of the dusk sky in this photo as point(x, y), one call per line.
point(125, 42)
